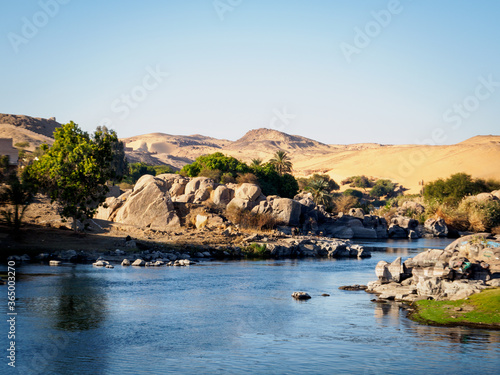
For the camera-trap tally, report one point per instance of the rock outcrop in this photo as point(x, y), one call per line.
point(465, 267)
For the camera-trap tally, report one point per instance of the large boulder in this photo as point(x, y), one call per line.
point(436, 227)
point(286, 211)
point(357, 212)
point(198, 183)
point(222, 195)
point(405, 222)
point(149, 205)
point(496, 193)
point(248, 192)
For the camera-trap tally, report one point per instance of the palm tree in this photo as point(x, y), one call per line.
point(281, 162)
point(320, 191)
point(256, 162)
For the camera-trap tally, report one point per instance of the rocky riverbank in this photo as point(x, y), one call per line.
point(113, 245)
point(467, 266)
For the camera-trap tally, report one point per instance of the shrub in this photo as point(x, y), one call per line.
point(213, 174)
point(344, 203)
point(455, 188)
point(247, 178)
point(255, 250)
point(482, 216)
point(353, 193)
point(249, 220)
point(383, 188)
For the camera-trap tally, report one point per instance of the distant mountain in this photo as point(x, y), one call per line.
point(268, 139)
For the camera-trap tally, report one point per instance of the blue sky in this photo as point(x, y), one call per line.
point(339, 71)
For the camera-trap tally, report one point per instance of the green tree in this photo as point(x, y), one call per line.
point(256, 162)
point(281, 162)
point(16, 194)
point(455, 188)
point(320, 191)
point(321, 187)
point(119, 165)
point(74, 171)
point(382, 188)
point(218, 162)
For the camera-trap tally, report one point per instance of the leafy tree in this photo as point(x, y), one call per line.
point(455, 188)
point(216, 161)
point(281, 162)
point(383, 188)
point(74, 171)
point(119, 165)
point(137, 170)
point(17, 194)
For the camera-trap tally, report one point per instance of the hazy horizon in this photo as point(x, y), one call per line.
point(389, 72)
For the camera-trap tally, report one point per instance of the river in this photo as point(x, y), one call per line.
point(234, 317)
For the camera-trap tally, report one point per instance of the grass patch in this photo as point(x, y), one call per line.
point(255, 250)
point(481, 309)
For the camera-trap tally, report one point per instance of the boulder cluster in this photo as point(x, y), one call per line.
point(464, 267)
point(162, 203)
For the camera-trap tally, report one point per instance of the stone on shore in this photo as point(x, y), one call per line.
point(139, 263)
point(125, 262)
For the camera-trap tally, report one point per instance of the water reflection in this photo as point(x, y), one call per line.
point(391, 313)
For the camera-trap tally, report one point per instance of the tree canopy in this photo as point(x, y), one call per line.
point(74, 171)
point(453, 189)
point(281, 162)
point(223, 169)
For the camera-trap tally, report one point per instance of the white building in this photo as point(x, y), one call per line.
point(6, 148)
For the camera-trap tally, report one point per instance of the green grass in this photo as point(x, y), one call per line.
point(255, 250)
point(481, 309)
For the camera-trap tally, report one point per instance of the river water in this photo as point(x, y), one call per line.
point(234, 317)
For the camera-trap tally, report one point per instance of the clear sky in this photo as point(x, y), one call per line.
point(338, 71)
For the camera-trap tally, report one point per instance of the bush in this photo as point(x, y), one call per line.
point(452, 190)
point(216, 161)
point(383, 188)
point(137, 170)
point(482, 216)
point(344, 203)
point(227, 178)
point(255, 250)
point(353, 193)
point(249, 178)
point(213, 174)
point(249, 220)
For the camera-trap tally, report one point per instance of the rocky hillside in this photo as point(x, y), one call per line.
point(26, 129)
point(35, 124)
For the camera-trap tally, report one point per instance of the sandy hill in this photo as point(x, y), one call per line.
point(407, 164)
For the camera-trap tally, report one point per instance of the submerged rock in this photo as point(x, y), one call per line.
point(301, 295)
